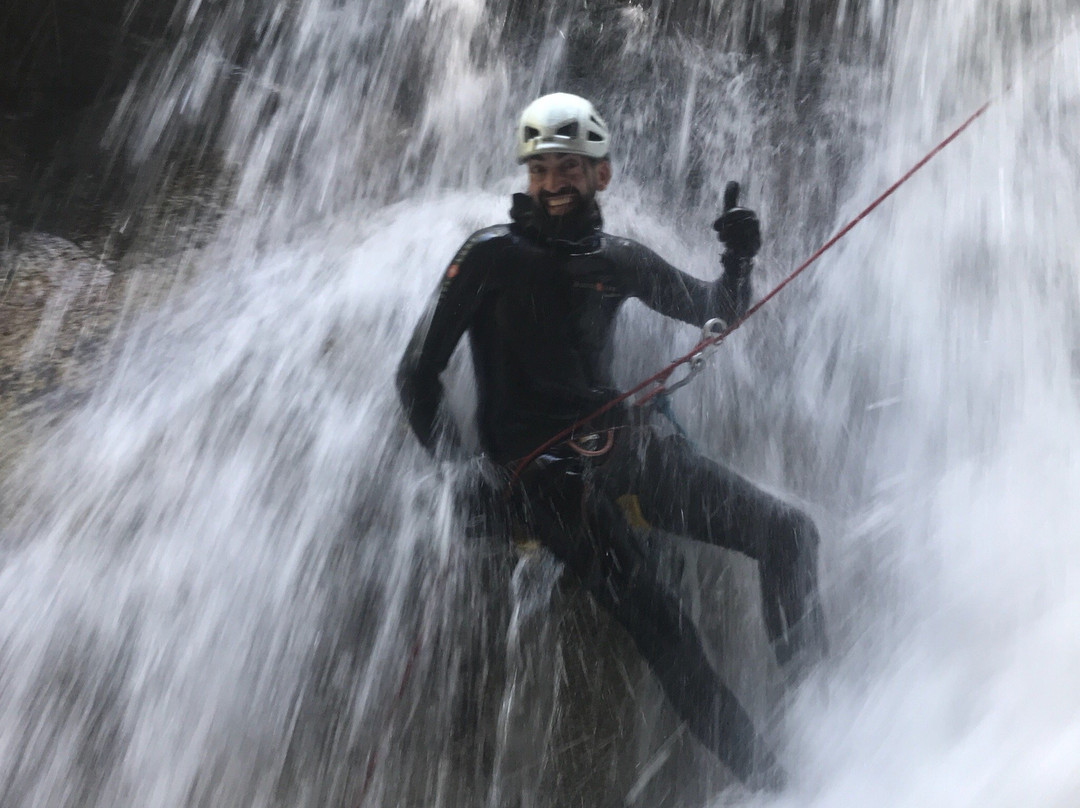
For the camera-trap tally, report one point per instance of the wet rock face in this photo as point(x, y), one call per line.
point(65, 63)
point(68, 213)
point(66, 53)
point(62, 64)
point(58, 306)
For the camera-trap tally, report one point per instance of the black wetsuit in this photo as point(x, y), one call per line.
point(539, 298)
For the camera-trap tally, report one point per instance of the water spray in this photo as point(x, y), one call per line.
point(657, 385)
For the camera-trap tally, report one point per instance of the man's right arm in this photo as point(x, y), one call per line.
point(673, 293)
point(433, 342)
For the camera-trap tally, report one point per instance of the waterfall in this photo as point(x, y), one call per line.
point(231, 577)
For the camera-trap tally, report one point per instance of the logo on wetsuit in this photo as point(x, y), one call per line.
point(454, 269)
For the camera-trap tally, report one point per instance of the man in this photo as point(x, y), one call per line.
point(539, 298)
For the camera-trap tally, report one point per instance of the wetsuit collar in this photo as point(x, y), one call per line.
point(575, 234)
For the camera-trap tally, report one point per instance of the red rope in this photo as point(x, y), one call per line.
point(660, 377)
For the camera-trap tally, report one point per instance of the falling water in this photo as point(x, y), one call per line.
point(232, 578)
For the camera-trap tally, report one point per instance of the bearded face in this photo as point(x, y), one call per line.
point(563, 184)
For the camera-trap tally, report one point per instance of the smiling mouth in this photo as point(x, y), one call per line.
point(561, 203)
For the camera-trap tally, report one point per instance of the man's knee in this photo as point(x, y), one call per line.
point(800, 531)
point(789, 587)
point(789, 557)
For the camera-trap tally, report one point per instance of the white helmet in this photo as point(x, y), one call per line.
point(561, 122)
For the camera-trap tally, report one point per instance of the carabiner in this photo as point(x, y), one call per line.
point(712, 329)
point(693, 368)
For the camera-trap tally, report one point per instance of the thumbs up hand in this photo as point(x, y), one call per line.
point(738, 228)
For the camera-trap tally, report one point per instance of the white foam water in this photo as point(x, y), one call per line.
point(232, 578)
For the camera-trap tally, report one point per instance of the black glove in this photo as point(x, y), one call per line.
point(738, 228)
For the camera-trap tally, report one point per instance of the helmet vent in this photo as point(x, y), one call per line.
point(596, 137)
point(568, 130)
point(531, 132)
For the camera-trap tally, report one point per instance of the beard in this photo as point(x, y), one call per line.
point(570, 221)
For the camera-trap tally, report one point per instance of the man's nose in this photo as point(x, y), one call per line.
point(553, 181)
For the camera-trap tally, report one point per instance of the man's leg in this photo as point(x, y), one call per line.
point(605, 555)
point(681, 492)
